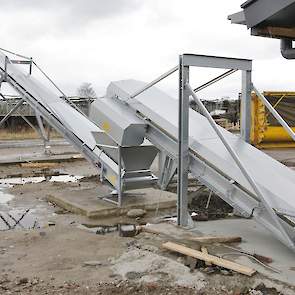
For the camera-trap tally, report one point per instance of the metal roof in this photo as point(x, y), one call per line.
point(266, 13)
point(247, 3)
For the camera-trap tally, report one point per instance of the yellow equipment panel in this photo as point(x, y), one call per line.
point(266, 132)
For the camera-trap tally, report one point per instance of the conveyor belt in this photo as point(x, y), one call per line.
point(211, 163)
point(72, 124)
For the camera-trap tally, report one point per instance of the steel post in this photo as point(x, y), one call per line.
point(245, 112)
point(183, 146)
point(119, 188)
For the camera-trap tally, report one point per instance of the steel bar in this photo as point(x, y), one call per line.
point(20, 62)
point(263, 198)
point(214, 80)
point(41, 127)
point(15, 220)
point(5, 68)
point(5, 221)
point(149, 85)
point(31, 125)
point(64, 96)
point(13, 53)
point(21, 218)
point(274, 113)
point(11, 111)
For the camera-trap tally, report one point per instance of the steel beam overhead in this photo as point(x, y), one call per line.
point(217, 62)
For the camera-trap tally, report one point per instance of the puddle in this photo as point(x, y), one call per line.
point(18, 219)
point(38, 179)
point(4, 197)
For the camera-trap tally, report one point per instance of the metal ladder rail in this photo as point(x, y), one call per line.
point(93, 158)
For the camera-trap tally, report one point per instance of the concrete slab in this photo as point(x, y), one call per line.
point(88, 202)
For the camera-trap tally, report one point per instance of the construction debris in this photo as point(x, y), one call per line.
point(92, 263)
point(127, 230)
point(134, 213)
point(209, 258)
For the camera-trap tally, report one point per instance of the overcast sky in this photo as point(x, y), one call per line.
point(98, 41)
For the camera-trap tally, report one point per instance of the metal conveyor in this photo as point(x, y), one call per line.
point(98, 148)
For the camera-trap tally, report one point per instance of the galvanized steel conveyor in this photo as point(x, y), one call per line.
point(135, 120)
point(107, 155)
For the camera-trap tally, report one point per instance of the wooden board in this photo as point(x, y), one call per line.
point(217, 239)
point(209, 258)
point(204, 250)
point(38, 165)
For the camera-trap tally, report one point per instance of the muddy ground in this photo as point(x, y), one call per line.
point(57, 256)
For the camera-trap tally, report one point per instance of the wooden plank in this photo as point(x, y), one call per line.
point(204, 250)
point(216, 239)
point(209, 258)
point(38, 165)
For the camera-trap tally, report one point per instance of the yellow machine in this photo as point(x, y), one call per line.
point(266, 132)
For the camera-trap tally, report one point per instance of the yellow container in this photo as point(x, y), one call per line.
point(263, 135)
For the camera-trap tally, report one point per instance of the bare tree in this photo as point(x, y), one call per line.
point(86, 91)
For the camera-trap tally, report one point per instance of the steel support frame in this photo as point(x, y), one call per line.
point(186, 61)
point(40, 131)
point(14, 109)
point(264, 198)
point(245, 202)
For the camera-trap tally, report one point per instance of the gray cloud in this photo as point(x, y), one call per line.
point(81, 8)
point(37, 19)
point(71, 12)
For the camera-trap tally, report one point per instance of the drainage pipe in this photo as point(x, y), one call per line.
point(287, 49)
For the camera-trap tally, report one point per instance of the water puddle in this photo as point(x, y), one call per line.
point(18, 219)
point(38, 179)
point(4, 197)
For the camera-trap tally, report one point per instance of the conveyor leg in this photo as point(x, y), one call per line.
point(167, 169)
point(246, 106)
point(43, 133)
point(183, 149)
